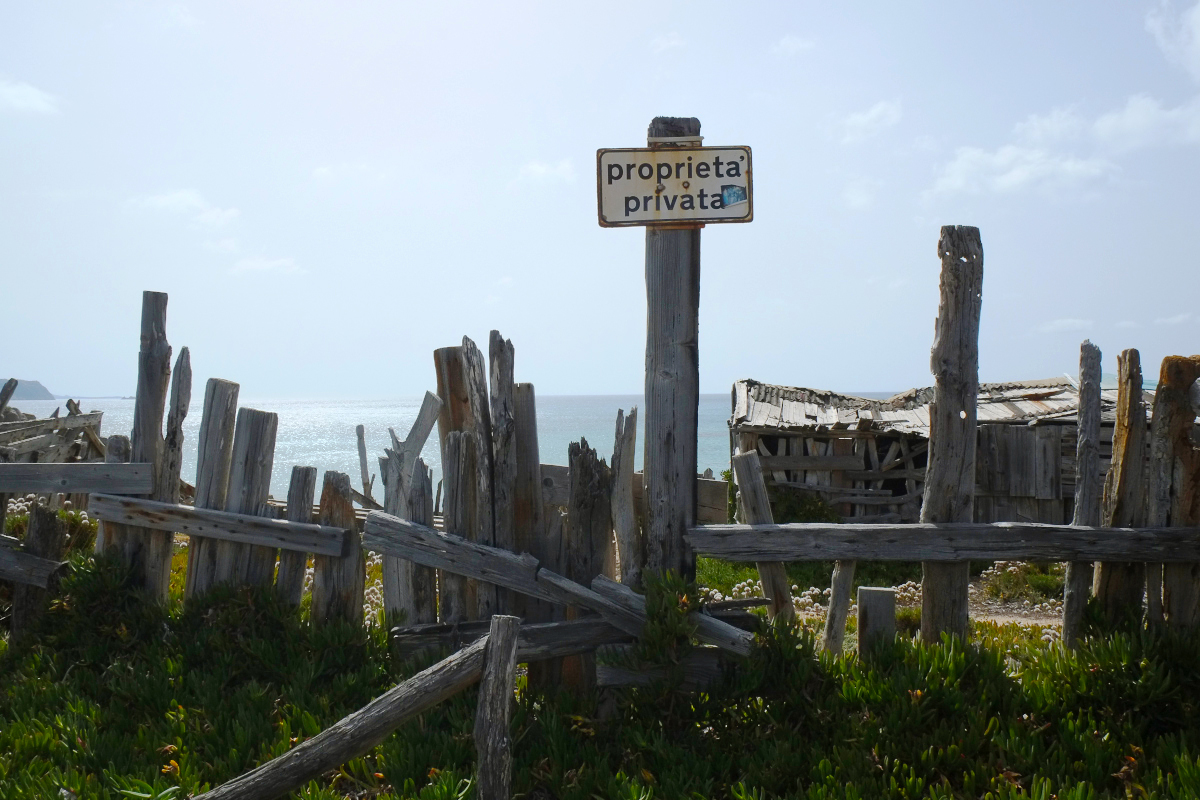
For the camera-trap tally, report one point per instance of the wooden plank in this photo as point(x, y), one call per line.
point(1022, 461)
point(708, 629)
point(914, 475)
point(338, 580)
point(1078, 582)
point(756, 510)
point(146, 441)
point(672, 382)
point(289, 580)
point(17, 566)
point(1119, 586)
point(700, 668)
point(493, 713)
point(821, 463)
point(1005, 541)
point(16, 431)
point(251, 529)
point(45, 538)
point(631, 545)
point(504, 454)
point(91, 431)
point(249, 486)
point(950, 479)
point(134, 479)
point(213, 460)
point(537, 642)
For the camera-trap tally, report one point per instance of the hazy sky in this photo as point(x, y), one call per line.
point(330, 191)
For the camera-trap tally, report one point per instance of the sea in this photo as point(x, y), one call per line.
point(321, 433)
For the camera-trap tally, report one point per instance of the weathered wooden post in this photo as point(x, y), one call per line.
point(46, 537)
point(251, 463)
point(289, 580)
point(631, 544)
point(1174, 425)
point(756, 510)
point(1119, 585)
point(456, 598)
point(493, 746)
point(504, 454)
point(111, 535)
point(876, 618)
point(368, 480)
point(1088, 483)
point(587, 539)
point(338, 581)
point(672, 375)
point(213, 458)
point(950, 476)
point(160, 547)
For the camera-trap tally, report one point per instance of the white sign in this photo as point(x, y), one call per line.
point(674, 185)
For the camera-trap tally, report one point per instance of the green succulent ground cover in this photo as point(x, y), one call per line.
point(113, 698)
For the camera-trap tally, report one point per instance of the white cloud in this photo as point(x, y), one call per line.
point(790, 46)
point(1061, 124)
point(865, 124)
point(1178, 319)
point(188, 203)
point(860, 193)
point(1011, 168)
point(669, 41)
point(22, 98)
point(545, 172)
point(1065, 324)
point(260, 264)
point(223, 246)
point(1144, 122)
point(1178, 34)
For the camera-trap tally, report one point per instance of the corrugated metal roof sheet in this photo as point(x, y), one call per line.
point(792, 408)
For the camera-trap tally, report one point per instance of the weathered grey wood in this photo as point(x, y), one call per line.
point(410, 590)
point(876, 618)
point(109, 534)
point(631, 545)
point(1119, 586)
point(820, 463)
point(213, 460)
point(672, 389)
point(10, 386)
point(700, 668)
point(973, 541)
point(338, 581)
point(11, 432)
point(587, 542)
point(414, 443)
point(141, 549)
point(289, 580)
point(708, 629)
point(528, 523)
point(1174, 403)
point(45, 538)
point(756, 510)
point(1088, 485)
point(834, 633)
point(456, 595)
point(537, 642)
point(368, 480)
point(493, 714)
point(358, 733)
point(18, 566)
point(250, 529)
point(504, 454)
point(476, 385)
point(556, 484)
point(950, 475)
point(115, 478)
point(90, 430)
point(249, 486)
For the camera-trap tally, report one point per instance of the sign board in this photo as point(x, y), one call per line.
point(674, 185)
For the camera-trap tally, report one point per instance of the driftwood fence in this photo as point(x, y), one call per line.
point(541, 564)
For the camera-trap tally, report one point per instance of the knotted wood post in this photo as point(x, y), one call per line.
point(146, 443)
point(493, 745)
point(1119, 585)
point(213, 458)
point(756, 510)
point(1173, 403)
point(1088, 484)
point(950, 475)
point(672, 380)
point(289, 581)
point(338, 581)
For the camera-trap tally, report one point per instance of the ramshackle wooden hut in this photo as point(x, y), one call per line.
point(867, 457)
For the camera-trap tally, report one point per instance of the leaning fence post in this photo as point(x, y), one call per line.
point(338, 581)
point(493, 746)
point(950, 475)
point(1119, 585)
point(1078, 584)
point(756, 510)
point(876, 618)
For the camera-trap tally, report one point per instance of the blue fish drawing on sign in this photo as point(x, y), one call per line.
point(732, 194)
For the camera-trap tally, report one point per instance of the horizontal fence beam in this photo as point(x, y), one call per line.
point(245, 528)
point(997, 541)
point(19, 567)
point(23, 429)
point(76, 478)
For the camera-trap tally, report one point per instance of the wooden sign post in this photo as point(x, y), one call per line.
point(673, 187)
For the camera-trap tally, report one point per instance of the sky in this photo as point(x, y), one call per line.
point(330, 191)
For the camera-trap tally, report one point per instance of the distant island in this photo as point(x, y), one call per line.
point(29, 390)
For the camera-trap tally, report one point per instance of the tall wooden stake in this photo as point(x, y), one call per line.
point(213, 459)
point(1173, 404)
point(1087, 487)
point(672, 380)
point(950, 476)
